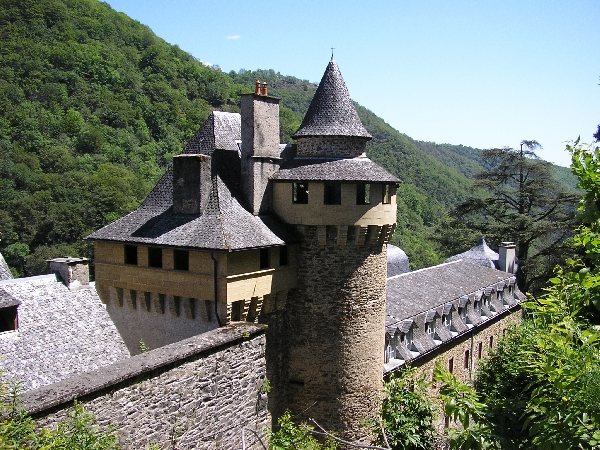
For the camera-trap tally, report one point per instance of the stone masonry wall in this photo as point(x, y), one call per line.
point(336, 332)
point(198, 393)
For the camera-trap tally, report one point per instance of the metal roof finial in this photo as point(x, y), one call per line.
point(332, 49)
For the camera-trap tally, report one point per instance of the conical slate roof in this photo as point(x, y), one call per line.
point(331, 112)
point(479, 254)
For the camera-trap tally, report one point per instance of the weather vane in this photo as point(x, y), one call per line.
point(332, 49)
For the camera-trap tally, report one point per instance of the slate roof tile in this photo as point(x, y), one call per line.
point(61, 332)
point(5, 273)
point(325, 169)
point(331, 111)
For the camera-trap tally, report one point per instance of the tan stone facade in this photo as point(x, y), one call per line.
point(161, 305)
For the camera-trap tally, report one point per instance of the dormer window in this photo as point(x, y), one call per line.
point(430, 328)
point(447, 320)
point(363, 194)
point(407, 338)
point(332, 194)
point(300, 192)
point(387, 194)
point(462, 312)
point(8, 319)
point(477, 307)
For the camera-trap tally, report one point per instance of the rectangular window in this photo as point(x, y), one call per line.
point(479, 350)
point(265, 263)
point(467, 359)
point(451, 365)
point(491, 341)
point(387, 194)
point(407, 338)
point(155, 257)
point(283, 256)
point(300, 192)
point(130, 252)
point(363, 194)
point(463, 313)
point(332, 193)
point(447, 320)
point(181, 260)
point(430, 328)
point(8, 319)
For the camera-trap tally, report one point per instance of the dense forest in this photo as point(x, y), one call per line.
point(93, 105)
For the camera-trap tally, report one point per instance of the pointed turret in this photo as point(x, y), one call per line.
point(331, 112)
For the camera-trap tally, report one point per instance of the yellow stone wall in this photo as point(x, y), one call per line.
point(315, 212)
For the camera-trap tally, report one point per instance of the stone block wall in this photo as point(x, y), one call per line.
point(331, 146)
point(199, 393)
point(335, 323)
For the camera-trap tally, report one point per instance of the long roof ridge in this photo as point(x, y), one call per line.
point(331, 111)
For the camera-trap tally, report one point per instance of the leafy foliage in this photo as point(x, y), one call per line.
point(462, 406)
point(543, 382)
point(520, 201)
point(407, 413)
point(290, 436)
point(78, 431)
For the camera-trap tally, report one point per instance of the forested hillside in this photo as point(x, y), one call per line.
point(93, 106)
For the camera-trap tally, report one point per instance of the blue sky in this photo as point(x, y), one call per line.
point(478, 73)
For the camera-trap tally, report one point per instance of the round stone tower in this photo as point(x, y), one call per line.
point(343, 206)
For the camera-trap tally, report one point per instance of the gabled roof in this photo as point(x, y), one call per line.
point(332, 169)
point(331, 112)
point(220, 132)
point(61, 332)
point(224, 225)
point(415, 292)
point(479, 254)
point(5, 273)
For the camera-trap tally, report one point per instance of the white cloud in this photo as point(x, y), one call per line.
point(233, 37)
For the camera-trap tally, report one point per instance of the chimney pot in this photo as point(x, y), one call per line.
point(257, 89)
point(265, 90)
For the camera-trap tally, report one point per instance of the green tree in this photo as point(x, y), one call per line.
point(407, 413)
point(519, 201)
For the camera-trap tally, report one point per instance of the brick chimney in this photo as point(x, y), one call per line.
point(261, 154)
point(506, 257)
point(74, 272)
point(191, 183)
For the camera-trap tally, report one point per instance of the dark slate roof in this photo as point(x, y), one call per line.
point(415, 292)
point(479, 254)
point(61, 332)
point(5, 273)
point(334, 169)
point(331, 112)
point(397, 261)
point(220, 131)
point(224, 225)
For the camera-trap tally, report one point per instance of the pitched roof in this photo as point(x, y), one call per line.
point(326, 169)
point(331, 112)
point(61, 332)
point(224, 225)
point(220, 131)
point(5, 273)
point(415, 292)
point(479, 254)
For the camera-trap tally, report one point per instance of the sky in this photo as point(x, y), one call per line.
point(478, 73)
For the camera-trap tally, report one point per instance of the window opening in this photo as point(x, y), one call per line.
point(479, 350)
point(9, 320)
point(283, 256)
point(467, 359)
point(363, 194)
point(491, 341)
point(155, 257)
point(300, 192)
point(387, 194)
point(264, 258)
point(430, 328)
point(131, 254)
point(447, 319)
point(451, 365)
point(332, 193)
point(181, 260)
